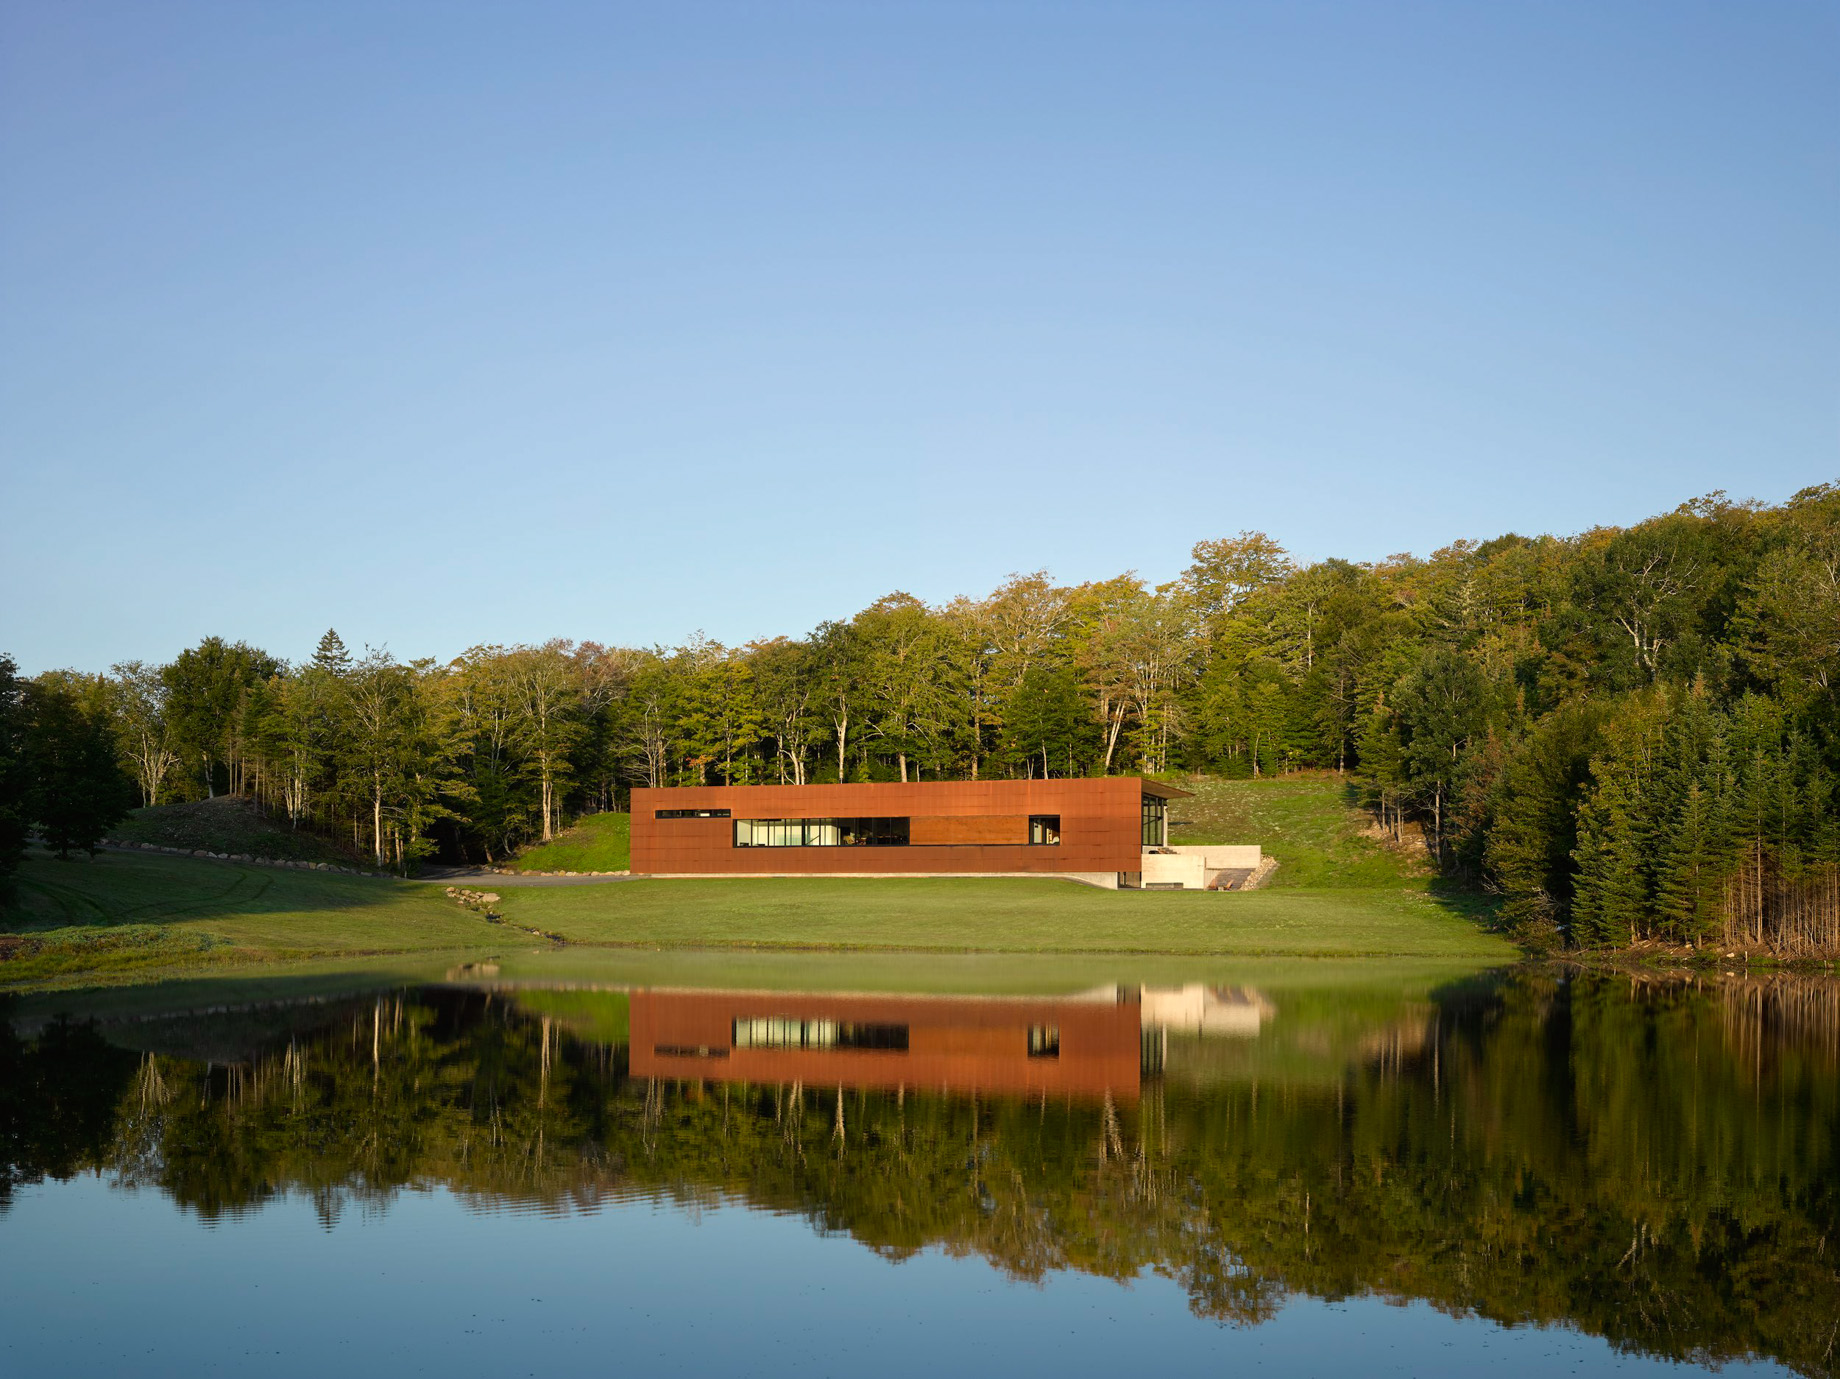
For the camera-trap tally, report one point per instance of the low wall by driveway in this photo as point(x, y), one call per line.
point(1196, 866)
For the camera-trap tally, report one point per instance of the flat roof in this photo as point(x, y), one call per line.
point(1166, 792)
point(1154, 788)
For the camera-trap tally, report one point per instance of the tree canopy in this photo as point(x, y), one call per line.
point(1628, 734)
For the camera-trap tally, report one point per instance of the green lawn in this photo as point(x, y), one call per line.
point(138, 917)
point(598, 842)
point(120, 913)
point(1005, 916)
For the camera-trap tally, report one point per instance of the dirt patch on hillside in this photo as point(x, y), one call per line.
point(17, 946)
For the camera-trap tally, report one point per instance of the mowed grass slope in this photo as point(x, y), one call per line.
point(597, 842)
point(1307, 822)
point(1336, 893)
point(124, 912)
point(136, 916)
point(1001, 916)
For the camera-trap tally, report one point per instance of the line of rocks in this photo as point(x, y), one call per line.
point(482, 903)
point(239, 857)
point(512, 871)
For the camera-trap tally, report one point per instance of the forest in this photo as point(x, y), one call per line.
point(1628, 735)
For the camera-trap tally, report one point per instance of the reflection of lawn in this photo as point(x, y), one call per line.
point(1002, 916)
point(604, 1017)
point(1322, 1009)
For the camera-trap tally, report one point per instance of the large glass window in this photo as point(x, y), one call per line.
point(1156, 822)
point(786, 1032)
point(1045, 828)
point(820, 833)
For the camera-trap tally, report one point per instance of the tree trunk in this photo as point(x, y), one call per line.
point(377, 817)
point(902, 758)
point(1115, 726)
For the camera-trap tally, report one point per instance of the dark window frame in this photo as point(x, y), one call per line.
point(1155, 821)
point(1044, 830)
point(689, 813)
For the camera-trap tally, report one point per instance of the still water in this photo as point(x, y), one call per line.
point(1293, 1170)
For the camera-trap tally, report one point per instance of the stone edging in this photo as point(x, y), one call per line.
point(124, 846)
point(511, 871)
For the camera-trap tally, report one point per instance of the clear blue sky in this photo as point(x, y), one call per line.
point(452, 323)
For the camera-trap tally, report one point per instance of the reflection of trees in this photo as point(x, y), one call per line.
point(1658, 1164)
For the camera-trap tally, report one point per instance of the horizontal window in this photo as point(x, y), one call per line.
point(1044, 1041)
point(784, 1032)
point(1045, 828)
point(688, 1051)
point(689, 813)
point(820, 833)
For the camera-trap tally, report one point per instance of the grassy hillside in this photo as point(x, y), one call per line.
point(226, 824)
point(1337, 894)
point(599, 842)
point(126, 913)
point(1308, 822)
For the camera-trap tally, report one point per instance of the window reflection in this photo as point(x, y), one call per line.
point(820, 833)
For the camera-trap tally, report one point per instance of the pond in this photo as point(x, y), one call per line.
point(831, 1166)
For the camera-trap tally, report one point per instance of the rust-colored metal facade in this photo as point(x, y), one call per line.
point(1079, 1048)
point(954, 827)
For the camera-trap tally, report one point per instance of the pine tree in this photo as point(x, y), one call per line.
point(330, 655)
point(1692, 872)
point(1613, 897)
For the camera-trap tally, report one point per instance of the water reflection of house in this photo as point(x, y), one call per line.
point(1081, 1046)
point(1106, 1040)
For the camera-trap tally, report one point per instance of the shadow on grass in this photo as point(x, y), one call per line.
point(125, 888)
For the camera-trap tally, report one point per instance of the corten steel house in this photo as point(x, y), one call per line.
point(1100, 831)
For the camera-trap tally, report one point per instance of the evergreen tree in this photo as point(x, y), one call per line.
point(330, 655)
point(1530, 846)
point(1613, 900)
